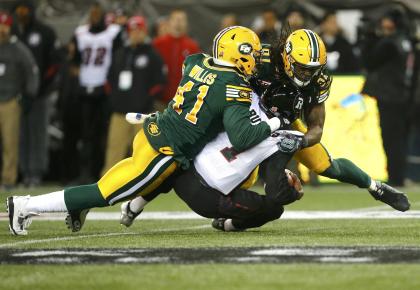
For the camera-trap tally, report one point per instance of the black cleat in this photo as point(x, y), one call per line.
point(391, 196)
point(75, 219)
point(219, 224)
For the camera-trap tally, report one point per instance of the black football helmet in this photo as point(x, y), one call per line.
point(282, 100)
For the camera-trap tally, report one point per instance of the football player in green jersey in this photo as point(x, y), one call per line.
point(214, 96)
point(298, 59)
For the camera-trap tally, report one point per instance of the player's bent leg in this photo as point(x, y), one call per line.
point(140, 174)
point(239, 210)
point(317, 159)
point(346, 171)
point(131, 209)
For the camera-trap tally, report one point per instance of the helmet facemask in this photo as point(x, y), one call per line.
point(303, 74)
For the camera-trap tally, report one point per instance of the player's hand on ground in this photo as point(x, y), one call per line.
point(294, 181)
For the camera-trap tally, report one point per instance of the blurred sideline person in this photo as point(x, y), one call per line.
point(229, 20)
point(213, 96)
point(43, 44)
point(136, 79)
point(385, 59)
point(94, 43)
point(295, 19)
point(270, 26)
point(19, 81)
point(341, 58)
point(174, 47)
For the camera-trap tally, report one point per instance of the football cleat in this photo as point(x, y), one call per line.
point(219, 224)
point(127, 216)
point(19, 218)
point(75, 219)
point(391, 196)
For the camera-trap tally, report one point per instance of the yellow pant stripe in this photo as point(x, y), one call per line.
point(146, 169)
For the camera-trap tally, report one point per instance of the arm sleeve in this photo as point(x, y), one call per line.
point(242, 134)
point(30, 71)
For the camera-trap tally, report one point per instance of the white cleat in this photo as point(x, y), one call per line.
point(127, 216)
point(19, 218)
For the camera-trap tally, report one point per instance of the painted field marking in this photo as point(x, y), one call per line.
point(79, 237)
point(291, 214)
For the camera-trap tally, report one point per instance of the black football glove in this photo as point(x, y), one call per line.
point(290, 142)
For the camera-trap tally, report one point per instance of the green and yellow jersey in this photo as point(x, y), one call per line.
point(211, 98)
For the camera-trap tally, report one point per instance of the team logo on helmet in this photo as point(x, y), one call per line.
point(245, 48)
point(288, 48)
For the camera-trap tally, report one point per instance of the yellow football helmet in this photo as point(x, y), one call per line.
point(239, 46)
point(304, 55)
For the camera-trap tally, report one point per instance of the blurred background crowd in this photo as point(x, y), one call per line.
point(70, 70)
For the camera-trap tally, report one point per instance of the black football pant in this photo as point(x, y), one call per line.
point(246, 208)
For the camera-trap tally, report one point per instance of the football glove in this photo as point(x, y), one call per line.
point(291, 141)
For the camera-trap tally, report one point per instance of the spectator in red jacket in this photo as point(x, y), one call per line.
point(173, 48)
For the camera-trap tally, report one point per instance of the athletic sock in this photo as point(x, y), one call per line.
point(138, 204)
point(229, 227)
point(50, 202)
point(373, 185)
point(84, 197)
point(346, 171)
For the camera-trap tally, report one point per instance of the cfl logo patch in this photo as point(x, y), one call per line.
point(245, 48)
point(288, 47)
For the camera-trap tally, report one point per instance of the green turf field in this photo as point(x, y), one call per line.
point(154, 240)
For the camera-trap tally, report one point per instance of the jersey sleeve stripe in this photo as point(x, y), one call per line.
point(239, 100)
point(239, 88)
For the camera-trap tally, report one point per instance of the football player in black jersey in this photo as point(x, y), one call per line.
point(298, 59)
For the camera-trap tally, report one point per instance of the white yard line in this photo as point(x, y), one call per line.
point(382, 207)
point(80, 237)
point(291, 214)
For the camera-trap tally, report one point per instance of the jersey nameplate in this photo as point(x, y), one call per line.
point(201, 75)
